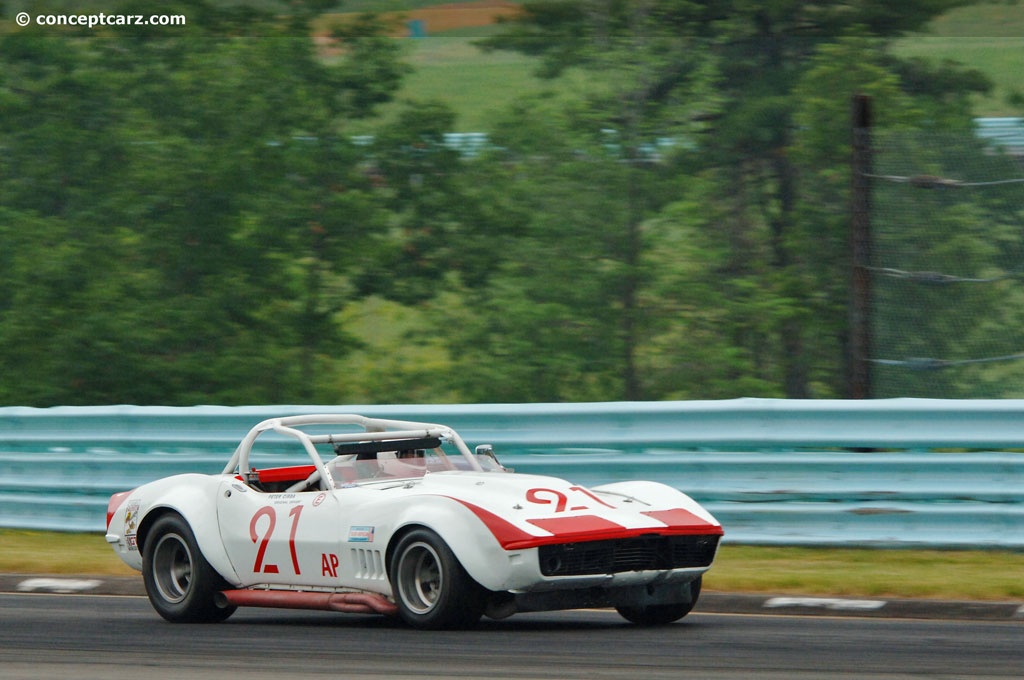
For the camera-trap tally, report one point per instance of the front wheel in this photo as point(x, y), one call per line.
point(662, 614)
point(180, 583)
point(430, 586)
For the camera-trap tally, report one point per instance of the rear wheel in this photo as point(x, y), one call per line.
point(431, 588)
point(181, 584)
point(662, 614)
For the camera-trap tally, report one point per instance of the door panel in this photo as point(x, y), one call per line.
point(280, 538)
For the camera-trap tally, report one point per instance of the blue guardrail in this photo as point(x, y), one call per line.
point(887, 473)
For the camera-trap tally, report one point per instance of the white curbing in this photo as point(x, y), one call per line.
point(58, 585)
point(832, 603)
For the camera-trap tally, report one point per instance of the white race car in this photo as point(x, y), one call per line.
point(401, 518)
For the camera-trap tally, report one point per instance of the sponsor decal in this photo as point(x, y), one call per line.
point(319, 499)
point(360, 534)
point(131, 524)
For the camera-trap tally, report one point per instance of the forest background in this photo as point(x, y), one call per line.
point(262, 206)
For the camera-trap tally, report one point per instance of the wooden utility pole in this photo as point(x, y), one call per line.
point(858, 361)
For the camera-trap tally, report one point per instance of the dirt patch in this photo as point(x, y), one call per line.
point(438, 18)
point(462, 15)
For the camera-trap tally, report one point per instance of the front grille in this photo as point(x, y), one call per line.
point(627, 554)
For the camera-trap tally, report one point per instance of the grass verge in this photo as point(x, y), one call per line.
point(847, 572)
point(861, 572)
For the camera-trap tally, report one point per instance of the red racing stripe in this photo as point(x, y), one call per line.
point(579, 525)
point(577, 529)
point(503, 530)
point(678, 518)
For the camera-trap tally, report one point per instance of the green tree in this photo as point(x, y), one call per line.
point(740, 78)
point(609, 177)
point(556, 317)
point(204, 200)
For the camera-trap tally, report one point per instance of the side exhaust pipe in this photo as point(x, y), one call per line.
point(349, 603)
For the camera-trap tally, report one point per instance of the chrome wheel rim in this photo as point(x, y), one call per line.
point(172, 568)
point(420, 577)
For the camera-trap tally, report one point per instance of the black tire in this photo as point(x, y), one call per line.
point(430, 586)
point(181, 584)
point(662, 614)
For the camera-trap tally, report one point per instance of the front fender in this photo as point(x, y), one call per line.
point(193, 496)
point(658, 495)
point(475, 546)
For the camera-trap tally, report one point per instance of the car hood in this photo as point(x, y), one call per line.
point(524, 510)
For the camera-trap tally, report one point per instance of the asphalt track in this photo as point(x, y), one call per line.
point(120, 636)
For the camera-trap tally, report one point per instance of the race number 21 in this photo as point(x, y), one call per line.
point(264, 538)
point(560, 500)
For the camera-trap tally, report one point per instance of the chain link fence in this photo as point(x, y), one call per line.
point(947, 267)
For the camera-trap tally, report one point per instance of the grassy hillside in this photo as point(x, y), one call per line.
point(988, 37)
point(1001, 59)
point(474, 83)
point(987, 20)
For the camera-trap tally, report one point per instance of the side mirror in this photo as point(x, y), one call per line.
point(487, 451)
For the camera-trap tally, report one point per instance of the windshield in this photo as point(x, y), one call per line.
point(360, 449)
point(352, 468)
